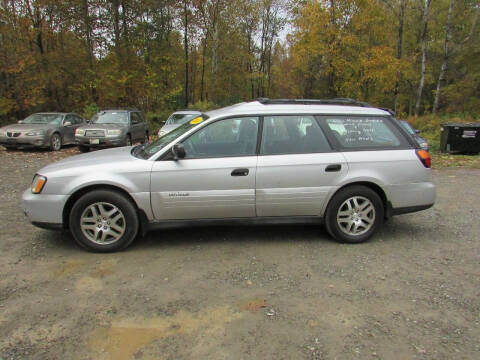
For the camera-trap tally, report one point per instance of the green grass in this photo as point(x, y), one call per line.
point(430, 127)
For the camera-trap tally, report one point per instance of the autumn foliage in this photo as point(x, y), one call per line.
point(160, 55)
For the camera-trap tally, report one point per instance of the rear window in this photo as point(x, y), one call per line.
point(364, 132)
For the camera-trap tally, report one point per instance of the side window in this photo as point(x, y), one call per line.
point(297, 134)
point(69, 118)
point(229, 137)
point(79, 120)
point(136, 119)
point(363, 132)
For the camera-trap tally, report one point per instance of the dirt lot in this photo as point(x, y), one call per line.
point(260, 292)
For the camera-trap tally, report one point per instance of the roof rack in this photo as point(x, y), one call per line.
point(120, 109)
point(335, 101)
point(188, 110)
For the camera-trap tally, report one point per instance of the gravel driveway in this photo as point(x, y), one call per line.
point(259, 292)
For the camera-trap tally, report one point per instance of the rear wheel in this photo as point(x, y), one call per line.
point(56, 142)
point(83, 149)
point(354, 214)
point(104, 221)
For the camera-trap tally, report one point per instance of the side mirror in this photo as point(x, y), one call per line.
point(178, 151)
point(20, 121)
point(418, 131)
point(67, 123)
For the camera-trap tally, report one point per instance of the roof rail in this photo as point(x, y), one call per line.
point(188, 110)
point(119, 109)
point(335, 101)
point(390, 111)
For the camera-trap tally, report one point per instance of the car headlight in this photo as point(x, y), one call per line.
point(79, 132)
point(38, 183)
point(161, 133)
point(114, 132)
point(35, 133)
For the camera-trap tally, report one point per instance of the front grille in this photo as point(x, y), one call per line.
point(13, 134)
point(95, 133)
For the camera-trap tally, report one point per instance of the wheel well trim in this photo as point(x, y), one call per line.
point(367, 183)
point(67, 208)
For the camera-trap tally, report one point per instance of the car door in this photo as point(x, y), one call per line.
point(216, 179)
point(296, 167)
point(136, 126)
point(69, 126)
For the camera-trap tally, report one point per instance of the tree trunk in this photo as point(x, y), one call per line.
point(401, 18)
point(185, 39)
point(423, 38)
point(443, 70)
point(88, 33)
point(116, 28)
point(202, 80)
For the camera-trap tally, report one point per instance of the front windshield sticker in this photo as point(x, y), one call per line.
point(196, 121)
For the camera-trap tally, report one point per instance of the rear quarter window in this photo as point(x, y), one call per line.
point(354, 132)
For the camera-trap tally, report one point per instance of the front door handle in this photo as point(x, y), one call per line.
point(240, 172)
point(333, 168)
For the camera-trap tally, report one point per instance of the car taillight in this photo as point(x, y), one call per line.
point(424, 157)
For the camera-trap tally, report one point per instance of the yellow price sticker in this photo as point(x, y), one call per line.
point(196, 121)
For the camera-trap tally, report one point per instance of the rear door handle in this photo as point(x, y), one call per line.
point(240, 172)
point(333, 168)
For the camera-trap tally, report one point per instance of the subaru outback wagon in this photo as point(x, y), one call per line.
point(339, 161)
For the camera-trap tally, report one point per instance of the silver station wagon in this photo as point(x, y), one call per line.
point(340, 162)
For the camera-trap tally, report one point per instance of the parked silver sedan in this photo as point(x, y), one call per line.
point(42, 130)
point(337, 161)
point(177, 119)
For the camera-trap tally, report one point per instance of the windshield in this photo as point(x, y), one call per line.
point(110, 118)
point(407, 127)
point(166, 139)
point(178, 119)
point(43, 119)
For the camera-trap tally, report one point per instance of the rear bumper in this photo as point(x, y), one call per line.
point(410, 209)
point(412, 195)
point(44, 210)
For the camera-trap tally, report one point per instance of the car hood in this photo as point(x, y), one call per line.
point(103, 126)
point(28, 127)
point(98, 160)
point(168, 128)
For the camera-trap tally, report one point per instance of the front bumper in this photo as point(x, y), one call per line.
point(102, 141)
point(24, 141)
point(44, 210)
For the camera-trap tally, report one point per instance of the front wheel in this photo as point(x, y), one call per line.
point(104, 221)
point(354, 214)
point(83, 149)
point(55, 142)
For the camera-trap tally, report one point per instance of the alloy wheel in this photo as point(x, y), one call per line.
point(102, 223)
point(356, 216)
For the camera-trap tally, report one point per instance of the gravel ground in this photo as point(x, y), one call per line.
point(259, 292)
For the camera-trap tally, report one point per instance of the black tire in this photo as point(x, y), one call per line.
point(83, 149)
point(112, 197)
point(146, 139)
point(55, 142)
point(128, 141)
point(336, 202)
point(10, 148)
